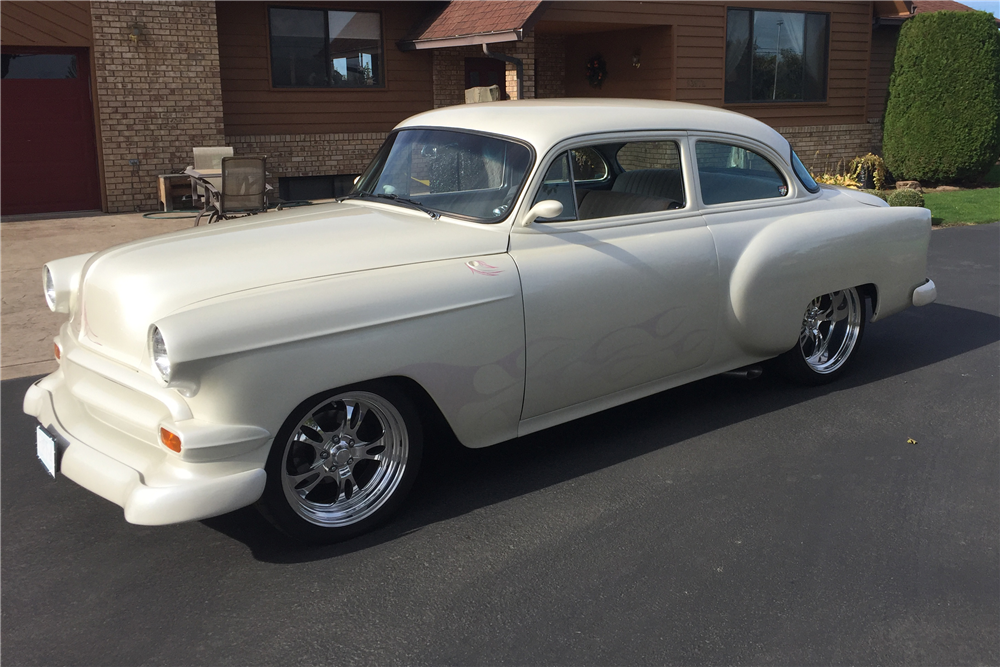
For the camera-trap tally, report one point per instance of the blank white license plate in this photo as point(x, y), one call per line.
point(48, 450)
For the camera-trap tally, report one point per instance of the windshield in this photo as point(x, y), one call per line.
point(451, 172)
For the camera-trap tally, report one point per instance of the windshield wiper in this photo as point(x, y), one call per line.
point(355, 195)
point(396, 198)
point(413, 204)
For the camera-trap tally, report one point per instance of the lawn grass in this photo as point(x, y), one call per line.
point(964, 206)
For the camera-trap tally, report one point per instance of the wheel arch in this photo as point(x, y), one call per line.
point(869, 291)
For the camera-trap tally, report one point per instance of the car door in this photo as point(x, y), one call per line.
point(742, 190)
point(622, 289)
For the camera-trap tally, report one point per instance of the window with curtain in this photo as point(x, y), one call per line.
point(319, 48)
point(776, 56)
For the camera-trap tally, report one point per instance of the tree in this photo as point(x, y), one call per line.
point(942, 119)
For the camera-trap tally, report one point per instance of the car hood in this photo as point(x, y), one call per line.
point(127, 288)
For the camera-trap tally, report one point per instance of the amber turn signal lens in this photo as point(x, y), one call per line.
point(170, 440)
point(58, 351)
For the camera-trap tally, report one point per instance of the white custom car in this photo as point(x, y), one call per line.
point(505, 266)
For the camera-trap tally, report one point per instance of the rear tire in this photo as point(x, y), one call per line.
point(342, 463)
point(832, 328)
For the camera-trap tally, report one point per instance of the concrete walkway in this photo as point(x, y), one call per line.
point(27, 326)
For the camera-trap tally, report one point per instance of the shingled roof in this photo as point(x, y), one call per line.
point(467, 22)
point(892, 13)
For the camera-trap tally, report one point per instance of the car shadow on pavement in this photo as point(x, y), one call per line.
point(455, 480)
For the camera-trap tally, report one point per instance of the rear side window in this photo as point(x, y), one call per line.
point(730, 173)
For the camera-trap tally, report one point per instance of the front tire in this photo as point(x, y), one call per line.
point(832, 328)
point(342, 463)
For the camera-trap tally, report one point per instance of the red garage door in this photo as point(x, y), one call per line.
point(48, 154)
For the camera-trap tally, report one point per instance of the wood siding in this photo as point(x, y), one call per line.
point(883, 54)
point(699, 36)
point(51, 24)
point(652, 79)
point(252, 107)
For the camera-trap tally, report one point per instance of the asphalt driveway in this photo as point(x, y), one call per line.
point(726, 522)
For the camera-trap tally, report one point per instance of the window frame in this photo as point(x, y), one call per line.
point(796, 191)
point(826, 82)
point(382, 87)
point(691, 205)
point(529, 172)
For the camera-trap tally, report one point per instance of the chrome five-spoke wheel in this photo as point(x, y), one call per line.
point(342, 463)
point(832, 326)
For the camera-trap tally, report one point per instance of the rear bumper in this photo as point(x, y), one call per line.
point(925, 294)
point(153, 486)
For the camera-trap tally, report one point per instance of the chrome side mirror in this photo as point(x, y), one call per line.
point(549, 208)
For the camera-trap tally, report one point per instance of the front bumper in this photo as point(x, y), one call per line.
point(120, 463)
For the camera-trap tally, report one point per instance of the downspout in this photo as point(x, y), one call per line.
point(509, 59)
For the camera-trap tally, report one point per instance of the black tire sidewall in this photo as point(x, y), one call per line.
point(273, 504)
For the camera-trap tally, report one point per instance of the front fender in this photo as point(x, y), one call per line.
point(453, 326)
point(797, 258)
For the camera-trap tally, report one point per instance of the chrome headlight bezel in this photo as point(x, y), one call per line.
point(49, 287)
point(158, 353)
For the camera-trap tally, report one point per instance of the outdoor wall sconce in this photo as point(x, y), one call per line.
point(635, 59)
point(136, 33)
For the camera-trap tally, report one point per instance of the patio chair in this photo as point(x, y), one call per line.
point(243, 190)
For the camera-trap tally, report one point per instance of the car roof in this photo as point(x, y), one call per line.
point(543, 123)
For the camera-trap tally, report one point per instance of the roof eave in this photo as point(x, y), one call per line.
point(462, 40)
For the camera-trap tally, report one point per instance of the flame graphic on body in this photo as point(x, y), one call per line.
point(483, 268)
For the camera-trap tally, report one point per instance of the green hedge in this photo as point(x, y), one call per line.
point(942, 119)
point(905, 198)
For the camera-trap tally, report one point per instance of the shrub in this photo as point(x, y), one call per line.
point(905, 198)
point(842, 180)
point(881, 194)
point(942, 119)
point(869, 165)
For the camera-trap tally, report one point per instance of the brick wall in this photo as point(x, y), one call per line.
point(158, 97)
point(310, 154)
point(449, 70)
point(828, 148)
point(550, 66)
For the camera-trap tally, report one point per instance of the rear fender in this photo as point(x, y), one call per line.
point(797, 258)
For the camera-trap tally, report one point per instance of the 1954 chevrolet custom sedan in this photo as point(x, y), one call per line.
point(509, 266)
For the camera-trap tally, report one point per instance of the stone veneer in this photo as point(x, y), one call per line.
point(159, 96)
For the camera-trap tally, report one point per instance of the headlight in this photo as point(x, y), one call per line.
point(50, 290)
point(158, 351)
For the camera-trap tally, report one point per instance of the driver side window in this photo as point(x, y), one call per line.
point(614, 179)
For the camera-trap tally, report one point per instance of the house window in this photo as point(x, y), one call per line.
point(776, 56)
point(39, 66)
point(319, 48)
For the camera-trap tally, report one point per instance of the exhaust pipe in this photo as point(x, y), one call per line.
point(746, 373)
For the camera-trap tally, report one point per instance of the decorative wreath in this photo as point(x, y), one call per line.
point(597, 70)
